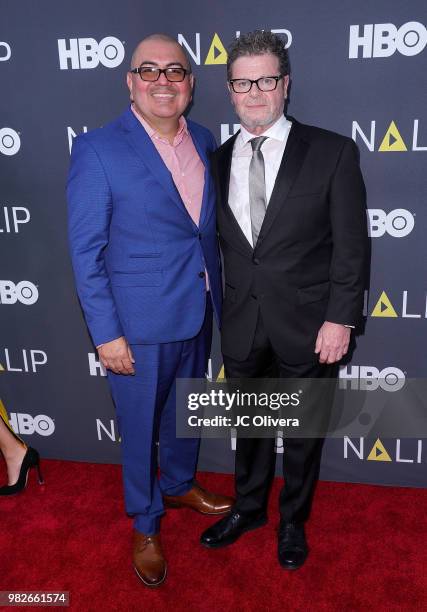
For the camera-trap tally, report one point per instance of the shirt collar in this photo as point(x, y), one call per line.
point(278, 131)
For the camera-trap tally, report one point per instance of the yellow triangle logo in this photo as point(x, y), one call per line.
point(384, 308)
point(1, 368)
point(392, 140)
point(217, 53)
point(221, 375)
point(378, 452)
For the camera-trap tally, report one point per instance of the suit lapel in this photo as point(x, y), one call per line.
point(223, 161)
point(147, 152)
point(292, 160)
point(204, 212)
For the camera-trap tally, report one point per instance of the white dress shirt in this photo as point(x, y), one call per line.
point(272, 150)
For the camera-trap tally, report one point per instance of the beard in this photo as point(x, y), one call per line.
point(261, 119)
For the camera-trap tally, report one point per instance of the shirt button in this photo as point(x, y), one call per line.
point(256, 261)
point(202, 274)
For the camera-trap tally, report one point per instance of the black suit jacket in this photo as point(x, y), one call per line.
point(310, 261)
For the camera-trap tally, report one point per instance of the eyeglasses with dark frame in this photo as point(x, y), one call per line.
point(267, 83)
point(174, 74)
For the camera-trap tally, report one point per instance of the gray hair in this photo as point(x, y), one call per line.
point(258, 42)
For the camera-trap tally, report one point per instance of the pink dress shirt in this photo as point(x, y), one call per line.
point(183, 162)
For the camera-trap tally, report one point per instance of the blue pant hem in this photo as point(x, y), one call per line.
point(147, 525)
point(182, 489)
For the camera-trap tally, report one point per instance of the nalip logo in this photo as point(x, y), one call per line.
point(11, 217)
point(392, 141)
point(398, 451)
point(216, 53)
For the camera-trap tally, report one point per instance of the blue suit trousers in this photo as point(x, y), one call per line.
point(146, 416)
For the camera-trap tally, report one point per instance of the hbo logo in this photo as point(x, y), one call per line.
point(87, 53)
point(26, 424)
point(384, 39)
point(397, 223)
point(10, 143)
point(24, 292)
point(5, 48)
point(370, 378)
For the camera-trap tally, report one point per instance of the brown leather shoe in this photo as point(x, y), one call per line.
point(148, 561)
point(200, 500)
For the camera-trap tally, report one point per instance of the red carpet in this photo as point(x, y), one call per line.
point(368, 549)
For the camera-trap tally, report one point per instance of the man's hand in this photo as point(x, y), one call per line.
point(332, 342)
point(117, 356)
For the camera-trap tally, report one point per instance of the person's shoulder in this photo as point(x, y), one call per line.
point(226, 147)
point(321, 135)
point(101, 135)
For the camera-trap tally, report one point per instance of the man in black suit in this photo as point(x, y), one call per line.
point(292, 223)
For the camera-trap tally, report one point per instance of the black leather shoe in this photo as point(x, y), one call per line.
point(292, 549)
point(230, 528)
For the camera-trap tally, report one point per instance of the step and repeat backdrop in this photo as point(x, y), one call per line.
point(357, 68)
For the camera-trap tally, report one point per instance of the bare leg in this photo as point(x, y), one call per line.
point(13, 451)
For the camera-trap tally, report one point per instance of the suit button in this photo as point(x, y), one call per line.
point(202, 274)
point(256, 261)
point(200, 236)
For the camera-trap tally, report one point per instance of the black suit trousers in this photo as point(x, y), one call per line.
point(255, 457)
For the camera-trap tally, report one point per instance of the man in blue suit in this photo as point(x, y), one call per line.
point(145, 255)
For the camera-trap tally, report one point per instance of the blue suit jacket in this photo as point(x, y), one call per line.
point(138, 257)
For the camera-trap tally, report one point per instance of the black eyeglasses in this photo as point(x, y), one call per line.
point(148, 73)
point(268, 83)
